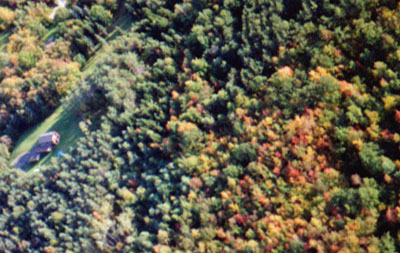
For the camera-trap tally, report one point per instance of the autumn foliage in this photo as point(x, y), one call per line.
point(211, 126)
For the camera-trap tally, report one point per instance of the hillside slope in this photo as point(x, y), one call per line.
point(217, 126)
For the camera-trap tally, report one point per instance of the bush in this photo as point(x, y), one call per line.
point(27, 60)
point(244, 153)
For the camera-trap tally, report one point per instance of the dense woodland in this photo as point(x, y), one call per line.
point(211, 126)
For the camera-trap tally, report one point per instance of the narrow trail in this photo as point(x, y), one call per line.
point(60, 4)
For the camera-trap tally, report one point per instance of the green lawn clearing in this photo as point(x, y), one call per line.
point(64, 122)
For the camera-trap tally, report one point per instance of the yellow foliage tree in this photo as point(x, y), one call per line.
point(6, 17)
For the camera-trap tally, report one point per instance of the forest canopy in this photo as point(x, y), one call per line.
point(208, 126)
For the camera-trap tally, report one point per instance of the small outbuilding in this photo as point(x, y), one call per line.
point(49, 138)
point(43, 148)
point(35, 157)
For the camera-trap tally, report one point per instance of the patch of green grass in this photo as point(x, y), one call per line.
point(64, 122)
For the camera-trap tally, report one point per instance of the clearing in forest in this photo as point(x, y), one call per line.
point(64, 122)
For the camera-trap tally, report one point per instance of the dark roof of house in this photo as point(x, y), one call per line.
point(48, 137)
point(42, 148)
point(36, 151)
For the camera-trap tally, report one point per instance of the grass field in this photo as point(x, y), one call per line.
point(61, 120)
point(64, 122)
